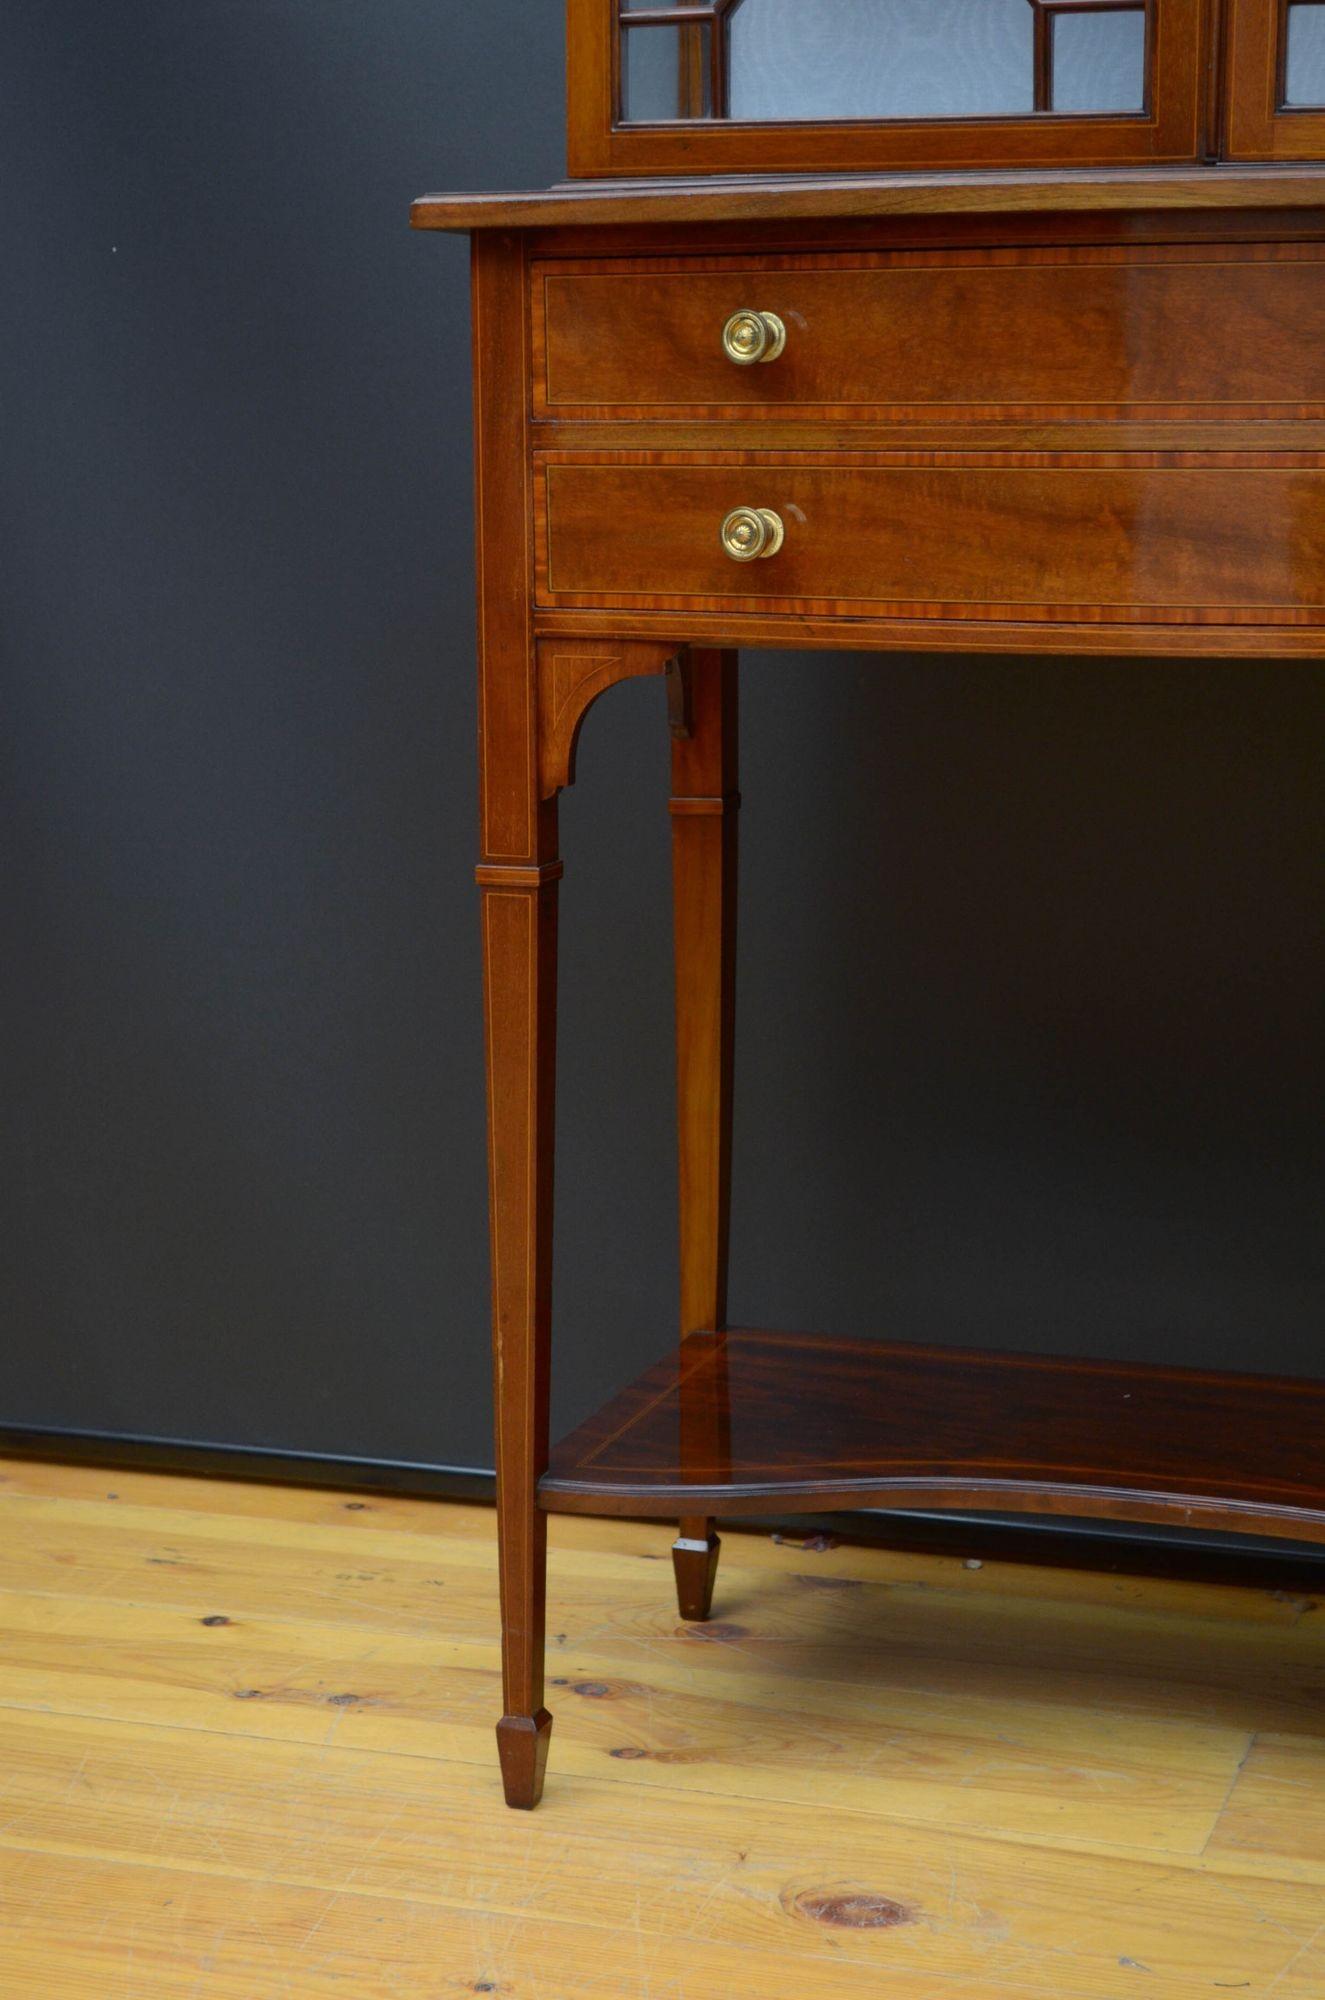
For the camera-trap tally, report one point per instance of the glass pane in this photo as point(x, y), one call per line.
point(1304, 68)
point(824, 59)
point(665, 73)
point(1100, 61)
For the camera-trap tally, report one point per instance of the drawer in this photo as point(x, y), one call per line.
point(1222, 331)
point(1138, 537)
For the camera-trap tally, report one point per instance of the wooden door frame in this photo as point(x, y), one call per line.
point(1257, 126)
point(1170, 130)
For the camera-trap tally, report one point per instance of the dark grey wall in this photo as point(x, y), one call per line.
point(1031, 975)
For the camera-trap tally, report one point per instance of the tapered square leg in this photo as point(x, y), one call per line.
point(704, 808)
point(518, 877)
point(519, 956)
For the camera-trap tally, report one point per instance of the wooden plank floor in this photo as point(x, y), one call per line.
point(246, 1751)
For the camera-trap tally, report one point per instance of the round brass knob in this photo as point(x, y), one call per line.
point(751, 336)
point(751, 532)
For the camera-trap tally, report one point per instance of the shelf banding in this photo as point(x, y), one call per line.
point(824, 1423)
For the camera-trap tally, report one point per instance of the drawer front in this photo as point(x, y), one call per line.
point(1126, 538)
point(1223, 331)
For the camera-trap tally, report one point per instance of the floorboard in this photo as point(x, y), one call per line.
point(246, 1751)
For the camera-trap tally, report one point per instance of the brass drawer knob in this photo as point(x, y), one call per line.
point(749, 533)
point(753, 336)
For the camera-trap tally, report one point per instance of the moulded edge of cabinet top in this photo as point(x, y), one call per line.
point(773, 198)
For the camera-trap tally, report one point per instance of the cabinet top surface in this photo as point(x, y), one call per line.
point(806, 197)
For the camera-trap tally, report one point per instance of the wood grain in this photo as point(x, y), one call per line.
point(753, 199)
point(1184, 538)
point(1021, 1784)
point(705, 805)
point(1079, 332)
point(879, 1424)
point(571, 677)
point(738, 625)
point(768, 432)
point(518, 877)
point(300, 1630)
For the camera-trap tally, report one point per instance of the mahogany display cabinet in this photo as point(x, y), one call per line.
point(987, 326)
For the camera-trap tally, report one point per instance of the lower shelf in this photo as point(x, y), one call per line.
point(747, 1422)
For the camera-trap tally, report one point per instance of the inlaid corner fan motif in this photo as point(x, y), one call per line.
point(780, 61)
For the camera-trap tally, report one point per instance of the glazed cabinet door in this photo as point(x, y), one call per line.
point(694, 86)
point(1275, 80)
